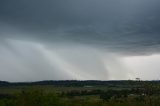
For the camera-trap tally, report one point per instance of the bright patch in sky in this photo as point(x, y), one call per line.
point(144, 67)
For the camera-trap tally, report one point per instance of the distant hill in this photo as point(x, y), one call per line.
point(4, 83)
point(76, 83)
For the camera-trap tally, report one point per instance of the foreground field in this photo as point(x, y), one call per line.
point(81, 93)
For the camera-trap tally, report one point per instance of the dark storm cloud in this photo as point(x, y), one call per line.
point(75, 39)
point(122, 25)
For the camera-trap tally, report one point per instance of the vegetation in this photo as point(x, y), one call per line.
point(81, 93)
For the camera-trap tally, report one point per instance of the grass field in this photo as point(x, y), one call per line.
point(120, 93)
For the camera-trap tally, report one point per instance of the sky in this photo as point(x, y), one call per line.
point(79, 40)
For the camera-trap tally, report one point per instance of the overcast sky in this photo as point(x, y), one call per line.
point(79, 39)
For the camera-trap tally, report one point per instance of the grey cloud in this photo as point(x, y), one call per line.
point(122, 27)
point(130, 24)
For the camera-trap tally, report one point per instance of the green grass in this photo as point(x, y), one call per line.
point(50, 95)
